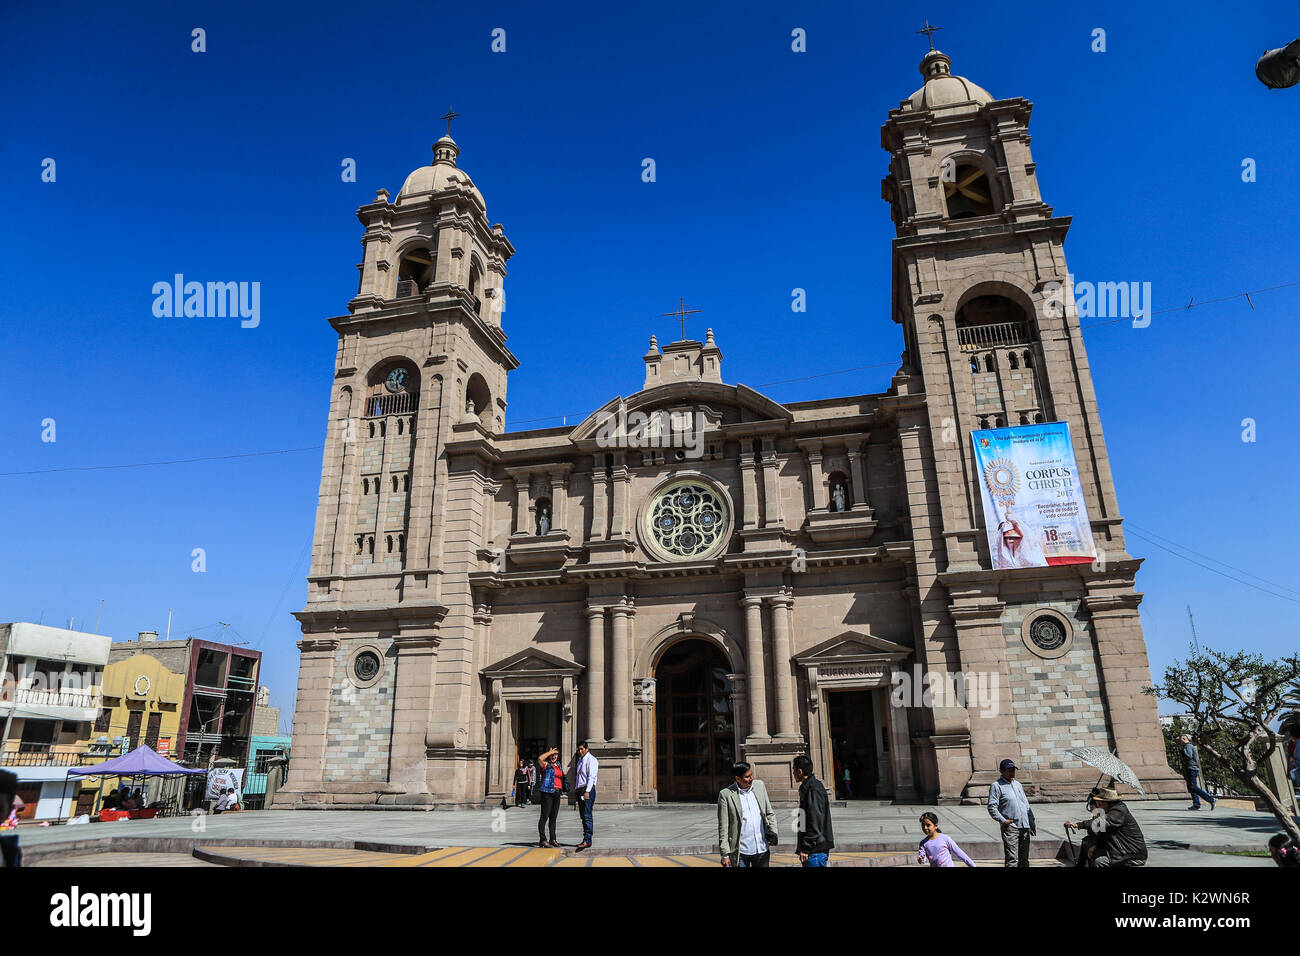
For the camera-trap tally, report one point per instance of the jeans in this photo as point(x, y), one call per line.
point(550, 813)
point(757, 859)
point(1196, 792)
point(585, 810)
point(817, 859)
point(1015, 846)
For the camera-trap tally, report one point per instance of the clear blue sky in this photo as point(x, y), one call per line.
point(225, 165)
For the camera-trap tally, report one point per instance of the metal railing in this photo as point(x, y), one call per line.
point(972, 338)
point(402, 403)
point(22, 758)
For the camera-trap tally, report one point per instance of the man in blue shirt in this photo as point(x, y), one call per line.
point(1192, 771)
point(1010, 807)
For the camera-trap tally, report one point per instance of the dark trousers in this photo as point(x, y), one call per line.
point(13, 856)
point(550, 813)
point(521, 794)
point(757, 859)
point(1197, 793)
point(585, 810)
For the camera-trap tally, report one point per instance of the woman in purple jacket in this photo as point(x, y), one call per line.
point(938, 848)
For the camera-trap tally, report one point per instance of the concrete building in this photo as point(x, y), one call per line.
point(696, 572)
point(217, 706)
point(52, 692)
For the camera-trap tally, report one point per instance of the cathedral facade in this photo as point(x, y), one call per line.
point(696, 573)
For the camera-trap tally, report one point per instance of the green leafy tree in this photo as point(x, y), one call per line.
point(1233, 702)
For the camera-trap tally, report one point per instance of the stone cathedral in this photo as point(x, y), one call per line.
point(696, 573)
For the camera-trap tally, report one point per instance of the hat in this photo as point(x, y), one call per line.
point(1007, 763)
point(1105, 793)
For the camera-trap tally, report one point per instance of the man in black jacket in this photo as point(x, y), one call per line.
point(815, 837)
point(1115, 837)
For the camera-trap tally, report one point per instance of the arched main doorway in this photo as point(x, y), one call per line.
point(695, 735)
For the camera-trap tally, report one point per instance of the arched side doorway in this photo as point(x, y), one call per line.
point(695, 731)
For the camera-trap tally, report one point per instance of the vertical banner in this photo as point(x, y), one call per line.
point(219, 780)
point(1034, 509)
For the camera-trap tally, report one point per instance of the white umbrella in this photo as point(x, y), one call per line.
point(1109, 765)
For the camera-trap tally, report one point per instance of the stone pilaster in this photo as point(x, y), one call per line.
point(594, 696)
point(755, 682)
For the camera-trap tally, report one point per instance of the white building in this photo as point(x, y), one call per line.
point(49, 700)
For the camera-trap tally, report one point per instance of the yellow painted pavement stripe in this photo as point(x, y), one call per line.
point(499, 857)
point(536, 857)
point(574, 861)
point(697, 861)
point(424, 859)
point(655, 861)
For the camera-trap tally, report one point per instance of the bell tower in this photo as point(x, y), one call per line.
point(421, 362)
point(992, 340)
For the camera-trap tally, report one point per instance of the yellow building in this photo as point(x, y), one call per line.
point(142, 704)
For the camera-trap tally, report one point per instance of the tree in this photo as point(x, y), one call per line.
point(1232, 703)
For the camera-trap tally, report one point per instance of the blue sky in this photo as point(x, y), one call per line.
point(225, 165)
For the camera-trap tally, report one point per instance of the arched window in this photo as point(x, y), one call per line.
point(370, 544)
point(394, 477)
point(394, 389)
point(974, 365)
point(414, 272)
point(1029, 359)
point(365, 486)
point(1000, 422)
point(406, 482)
point(476, 286)
point(401, 544)
point(478, 398)
point(1012, 361)
point(372, 429)
point(968, 192)
point(383, 428)
point(988, 362)
point(361, 543)
point(841, 499)
point(389, 540)
point(399, 426)
point(1038, 419)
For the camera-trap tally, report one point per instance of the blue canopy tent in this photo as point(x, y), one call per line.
point(143, 761)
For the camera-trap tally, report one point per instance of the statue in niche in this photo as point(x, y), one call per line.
point(839, 497)
point(543, 520)
point(469, 410)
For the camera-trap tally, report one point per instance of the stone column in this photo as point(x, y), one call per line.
point(595, 693)
point(771, 487)
point(624, 518)
point(785, 719)
point(621, 692)
point(817, 478)
point(857, 475)
point(755, 683)
point(599, 502)
point(559, 501)
point(417, 662)
point(522, 482)
point(749, 484)
point(311, 720)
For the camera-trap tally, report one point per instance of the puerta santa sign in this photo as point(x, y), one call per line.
point(1034, 509)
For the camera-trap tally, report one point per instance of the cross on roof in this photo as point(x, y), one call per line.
point(681, 314)
point(450, 115)
point(929, 32)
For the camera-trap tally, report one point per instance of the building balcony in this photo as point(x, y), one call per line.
point(973, 338)
point(402, 403)
point(66, 704)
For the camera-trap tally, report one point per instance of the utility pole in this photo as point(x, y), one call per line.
point(1195, 643)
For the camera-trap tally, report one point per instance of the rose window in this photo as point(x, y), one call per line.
point(687, 520)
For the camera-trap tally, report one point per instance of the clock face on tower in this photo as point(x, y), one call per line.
point(396, 381)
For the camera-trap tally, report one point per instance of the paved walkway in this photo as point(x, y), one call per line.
point(1174, 834)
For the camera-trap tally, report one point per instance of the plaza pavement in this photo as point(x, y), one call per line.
point(1175, 835)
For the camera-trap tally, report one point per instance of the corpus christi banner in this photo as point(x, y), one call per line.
point(1033, 503)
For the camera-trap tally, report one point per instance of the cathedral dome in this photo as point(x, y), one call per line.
point(944, 93)
point(442, 174)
